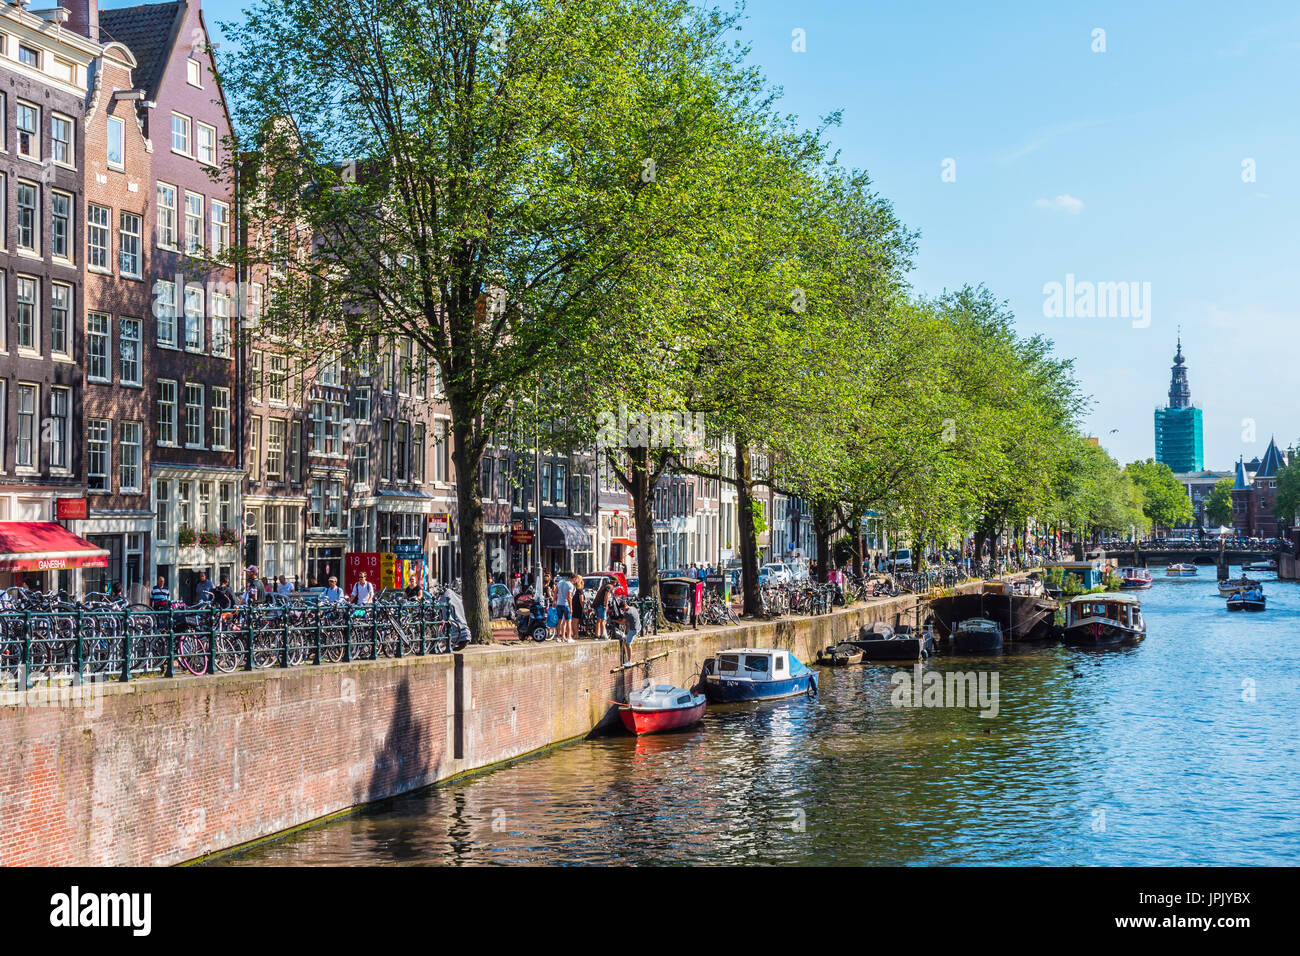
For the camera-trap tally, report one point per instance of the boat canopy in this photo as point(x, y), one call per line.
point(1111, 596)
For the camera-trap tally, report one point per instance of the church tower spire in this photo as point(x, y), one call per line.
point(1180, 392)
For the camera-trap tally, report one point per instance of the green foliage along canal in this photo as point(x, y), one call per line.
point(1179, 751)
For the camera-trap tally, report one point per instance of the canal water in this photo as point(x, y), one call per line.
point(1182, 750)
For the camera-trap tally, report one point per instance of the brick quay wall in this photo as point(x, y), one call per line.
point(167, 771)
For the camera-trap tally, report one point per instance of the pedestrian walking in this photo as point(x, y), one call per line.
point(564, 610)
point(363, 592)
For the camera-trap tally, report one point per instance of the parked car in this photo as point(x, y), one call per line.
point(780, 573)
point(633, 587)
point(501, 603)
point(901, 560)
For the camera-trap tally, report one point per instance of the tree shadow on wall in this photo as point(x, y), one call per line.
point(403, 762)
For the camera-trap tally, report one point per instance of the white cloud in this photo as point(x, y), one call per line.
point(1063, 203)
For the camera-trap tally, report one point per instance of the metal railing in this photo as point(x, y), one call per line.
point(127, 642)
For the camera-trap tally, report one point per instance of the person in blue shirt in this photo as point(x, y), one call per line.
point(333, 594)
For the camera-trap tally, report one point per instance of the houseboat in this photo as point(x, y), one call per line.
point(1104, 620)
point(756, 673)
point(1181, 570)
point(659, 707)
point(976, 635)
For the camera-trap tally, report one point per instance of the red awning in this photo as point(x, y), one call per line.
point(626, 542)
point(45, 546)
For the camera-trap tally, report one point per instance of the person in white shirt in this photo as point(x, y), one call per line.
point(284, 587)
point(333, 594)
point(564, 613)
point(363, 592)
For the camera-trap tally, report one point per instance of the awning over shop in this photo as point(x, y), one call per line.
point(565, 533)
point(45, 546)
point(626, 542)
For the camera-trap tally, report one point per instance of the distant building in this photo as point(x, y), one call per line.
point(1254, 494)
point(1198, 485)
point(1178, 426)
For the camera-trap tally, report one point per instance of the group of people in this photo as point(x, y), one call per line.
point(567, 594)
point(256, 591)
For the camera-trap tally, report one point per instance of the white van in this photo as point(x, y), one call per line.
point(900, 560)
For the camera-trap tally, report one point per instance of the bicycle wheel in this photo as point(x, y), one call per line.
point(229, 653)
point(192, 653)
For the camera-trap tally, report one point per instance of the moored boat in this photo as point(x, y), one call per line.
point(756, 673)
point(1134, 579)
point(840, 655)
point(1261, 566)
point(659, 707)
point(1247, 599)
point(880, 642)
point(1181, 570)
point(1104, 620)
point(975, 635)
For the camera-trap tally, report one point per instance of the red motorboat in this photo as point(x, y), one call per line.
point(659, 707)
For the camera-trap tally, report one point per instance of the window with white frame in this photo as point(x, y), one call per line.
point(180, 134)
point(206, 144)
point(361, 463)
point(205, 506)
point(166, 412)
point(129, 473)
point(417, 453)
point(61, 225)
point(361, 403)
point(29, 216)
point(193, 223)
point(401, 442)
point(226, 505)
point(221, 337)
point(220, 227)
point(275, 431)
point(162, 497)
point(129, 342)
point(184, 508)
point(98, 441)
point(164, 293)
point(24, 452)
point(327, 428)
point(60, 319)
point(221, 418)
point(166, 215)
point(60, 426)
point(29, 314)
point(255, 376)
point(115, 151)
point(98, 236)
point(193, 416)
point(28, 124)
point(99, 346)
point(254, 448)
point(61, 145)
point(194, 318)
point(129, 245)
point(276, 381)
point(194, 72)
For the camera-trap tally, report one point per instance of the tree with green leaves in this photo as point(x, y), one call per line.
point(472, 174)
point(1218, 503)
point(1164, 501)
point(1287, 502)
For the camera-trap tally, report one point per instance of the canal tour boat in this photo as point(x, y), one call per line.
point(659, 707)
point(1135, 579)
point(1181, 570)
point(975, 635)
point(1104, 620)
point(1247, 599)
point(756, 673)
point(1229, 588)
point(1261, 566)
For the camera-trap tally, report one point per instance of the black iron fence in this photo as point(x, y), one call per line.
point(131, 641)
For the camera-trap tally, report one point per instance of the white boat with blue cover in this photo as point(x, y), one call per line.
point(756, 673)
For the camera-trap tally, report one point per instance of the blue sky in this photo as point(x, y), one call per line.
point(1116, 166)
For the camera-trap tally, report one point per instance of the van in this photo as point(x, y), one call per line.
point(901, 560)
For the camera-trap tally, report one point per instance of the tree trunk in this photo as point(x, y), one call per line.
point(469, 511)
point(641, 489)
point(822, 529)
point(748, 538)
